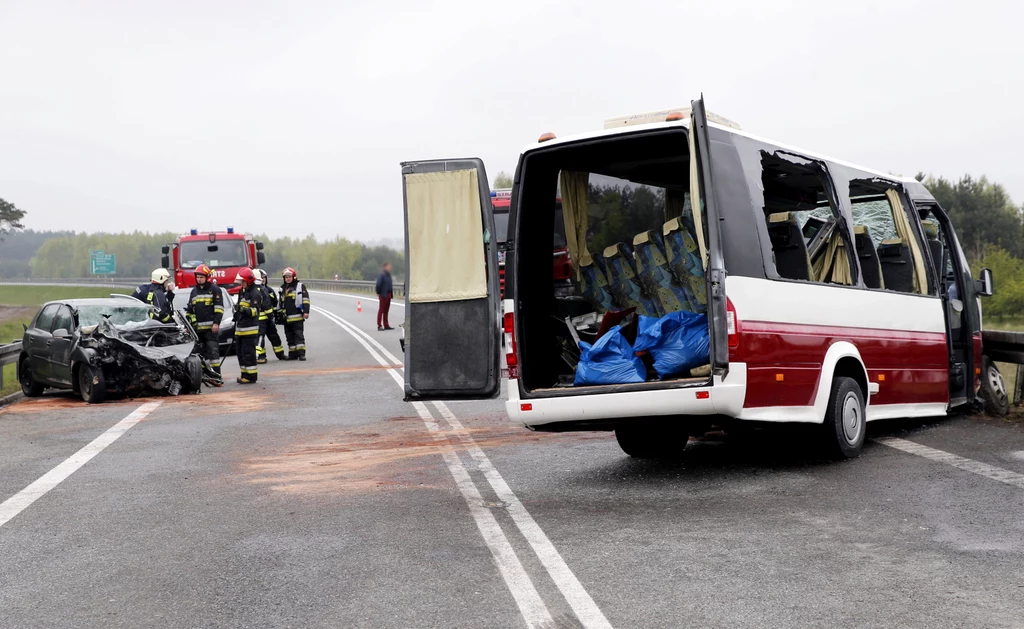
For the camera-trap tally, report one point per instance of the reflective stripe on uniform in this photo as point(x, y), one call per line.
point(218, 309)
point(248, 370)
point(204, 325)
point(300, 348)
point(278, 349)
point(247, 331)
point(294, 318)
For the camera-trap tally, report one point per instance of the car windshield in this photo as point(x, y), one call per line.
point(120, 314)
point(216, 254)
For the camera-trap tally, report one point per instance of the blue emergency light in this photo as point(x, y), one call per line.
point(493, 193)
point(231, 230)
point(194, 231)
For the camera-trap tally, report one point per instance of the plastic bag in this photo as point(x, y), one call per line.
point(610, 360)
point(677, 342)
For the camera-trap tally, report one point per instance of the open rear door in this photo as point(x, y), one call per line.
point(717, 307)
point(452, 318)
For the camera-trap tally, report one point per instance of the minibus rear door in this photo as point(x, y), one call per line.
point(452, 320)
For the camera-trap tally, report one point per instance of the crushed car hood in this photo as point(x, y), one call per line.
point(133, 340)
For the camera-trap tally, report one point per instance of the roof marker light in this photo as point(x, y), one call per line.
point(546, 136)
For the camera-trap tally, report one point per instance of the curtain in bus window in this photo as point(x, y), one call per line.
point(903, 230)
point(446, 246)
point(696, 202)
point(574, 216)
point(675, 201)
point(834, 265)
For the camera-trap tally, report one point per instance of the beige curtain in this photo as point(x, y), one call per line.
point(674, 203)
point(834, 260)
point(695, 200)
point(574, 215)
point(903, 230)
point(446, 245)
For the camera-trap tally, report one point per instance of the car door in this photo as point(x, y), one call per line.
point(37, 342)
point(452, 326)
point(60, 345)
point(717, 303)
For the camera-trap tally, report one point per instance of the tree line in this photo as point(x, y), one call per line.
point(59, 255)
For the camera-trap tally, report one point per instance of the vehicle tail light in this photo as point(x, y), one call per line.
point(732, 324)
point(511, 358)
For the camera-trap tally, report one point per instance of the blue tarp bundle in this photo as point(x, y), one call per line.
point(610, 360)
point(677, 342)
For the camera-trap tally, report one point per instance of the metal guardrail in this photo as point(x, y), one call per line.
point(8, 354)
point(337, 286)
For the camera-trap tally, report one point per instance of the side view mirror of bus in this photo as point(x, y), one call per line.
point(165, 250)
point(165, 261)
point(984, 284)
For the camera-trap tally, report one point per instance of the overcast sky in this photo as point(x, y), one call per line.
point(291, 118)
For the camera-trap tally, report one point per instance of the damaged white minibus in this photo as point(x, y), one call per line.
point(807, 289)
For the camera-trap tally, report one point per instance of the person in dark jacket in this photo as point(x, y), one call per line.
point(155, 295)
point(205, 310)
point(247, 325)
point(295, 305)
point(385, 290)
point(268, 327)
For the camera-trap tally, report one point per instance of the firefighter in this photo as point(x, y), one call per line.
point(247, 325)
point(268, 327)
point(155, 295)
point(295, 304)
point(205, 310)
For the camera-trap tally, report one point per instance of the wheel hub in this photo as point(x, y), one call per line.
point(852, 419)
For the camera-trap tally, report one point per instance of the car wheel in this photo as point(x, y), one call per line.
point(845, 423)
point(29, 386)
point(194, 367)
point(91, 384)
point(993, 388)
point(652, 442)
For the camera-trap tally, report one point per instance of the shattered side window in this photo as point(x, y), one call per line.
point(119, 315)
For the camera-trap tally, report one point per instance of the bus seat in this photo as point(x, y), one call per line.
point(870, 267)
point(931, 232)
point(624, 283)
point(684, 261)
point(657, 277)
point(594, 285)
point(792, 260)
point(897, 266)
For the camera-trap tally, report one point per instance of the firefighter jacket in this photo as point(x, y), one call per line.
point(269, 302)
point(294, 301)
point(154, 295)
point(206, 305)
point(247, 317)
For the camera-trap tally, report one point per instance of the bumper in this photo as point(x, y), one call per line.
point(724, 397)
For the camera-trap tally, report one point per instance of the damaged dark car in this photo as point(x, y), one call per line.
point(100, 346)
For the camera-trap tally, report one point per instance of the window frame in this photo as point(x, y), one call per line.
point(42, 311)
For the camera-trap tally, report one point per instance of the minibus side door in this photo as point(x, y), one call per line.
point(717, 306)
point(452, 305)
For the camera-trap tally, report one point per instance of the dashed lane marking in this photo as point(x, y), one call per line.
point(963, 463)
point(21, 500)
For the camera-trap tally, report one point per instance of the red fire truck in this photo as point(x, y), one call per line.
point(562, 265)
point(225, 252)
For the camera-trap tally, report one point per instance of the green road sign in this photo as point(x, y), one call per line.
point(101, 263)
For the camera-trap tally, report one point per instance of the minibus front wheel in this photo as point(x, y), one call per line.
point(845, 419)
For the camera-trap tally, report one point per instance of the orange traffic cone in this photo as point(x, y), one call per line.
point(359, 306)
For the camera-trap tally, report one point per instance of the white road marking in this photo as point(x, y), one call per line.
point(970, 465)
point(530, 604)
point(21, 500)
point(575, 594)
point(369, 298)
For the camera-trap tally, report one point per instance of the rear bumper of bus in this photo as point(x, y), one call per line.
point(599, 410)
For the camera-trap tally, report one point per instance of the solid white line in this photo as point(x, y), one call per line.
point(530, 604)
point(357, 297)
point(970, 465)
point(575, 594)
point(21, 500)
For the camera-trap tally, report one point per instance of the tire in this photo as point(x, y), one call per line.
point(993, 388)
point(652, 442)
point(845, 423)
point(91, 384)
point(29, 386)
point(194, 366)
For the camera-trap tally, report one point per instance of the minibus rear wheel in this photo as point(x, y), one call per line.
point(845, 419)
point(652, 442)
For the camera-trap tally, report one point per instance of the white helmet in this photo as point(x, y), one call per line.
point(160, 276)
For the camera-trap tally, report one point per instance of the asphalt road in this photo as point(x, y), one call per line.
point(317, 498)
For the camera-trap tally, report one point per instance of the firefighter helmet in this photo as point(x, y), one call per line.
point(290, 271)
point(263, 275)
point(245, 275)
point(160, 276)
point(202, 269)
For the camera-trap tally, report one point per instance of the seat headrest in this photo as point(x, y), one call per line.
point(614, 250)
point(861, 230)
point(893, 247)
point(642, 237)
point(672, 226)
point(931, 229)
point(782, 217)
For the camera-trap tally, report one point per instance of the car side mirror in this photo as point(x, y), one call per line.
point(261, 258)
point(165, 250)
point(984, 284)
point(61, 333)
point(165, 261)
